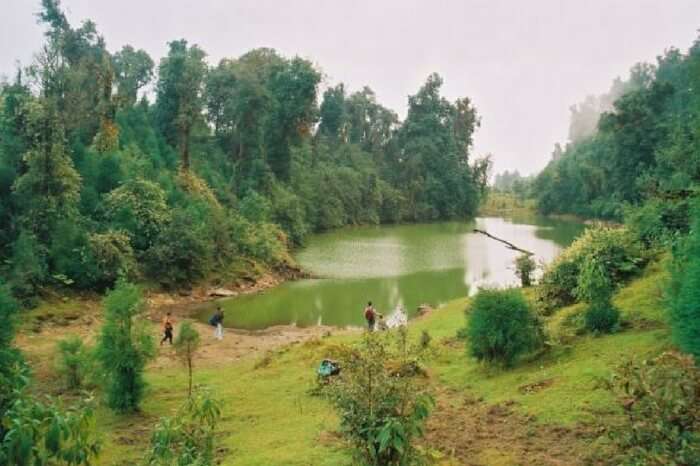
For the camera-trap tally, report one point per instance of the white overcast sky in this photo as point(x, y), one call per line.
point(523, 63)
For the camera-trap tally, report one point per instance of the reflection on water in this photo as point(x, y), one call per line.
point(405, 265)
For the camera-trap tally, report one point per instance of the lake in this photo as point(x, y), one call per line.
point(397, 265)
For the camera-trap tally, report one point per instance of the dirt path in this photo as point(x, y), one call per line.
point(472, 433)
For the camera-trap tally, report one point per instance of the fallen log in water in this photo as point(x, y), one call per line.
point(508, 244)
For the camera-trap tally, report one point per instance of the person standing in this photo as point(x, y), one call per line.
point(167, 329)
point(217, 320)
point(370, 316)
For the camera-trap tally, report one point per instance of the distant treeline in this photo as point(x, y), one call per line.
point(643, 149)
point(234, 163)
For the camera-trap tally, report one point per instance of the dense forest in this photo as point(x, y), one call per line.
point(638, 144)
point(218, 167)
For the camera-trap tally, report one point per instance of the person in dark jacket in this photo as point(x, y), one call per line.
point(217, 320)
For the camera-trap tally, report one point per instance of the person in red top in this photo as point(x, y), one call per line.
point(370, 316)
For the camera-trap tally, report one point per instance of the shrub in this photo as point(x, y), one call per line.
point(602, 317)
point(382, 405)
point(658, 220)
point(596, 287)
point(124, 347)
point(615, 248)
point(524, 266)
point(186, 345)
point(661, 401)
point(46, 434)
point(12, 367)
point(684, 290)
point(188, 437)
point(73, 362)
point(501, 326)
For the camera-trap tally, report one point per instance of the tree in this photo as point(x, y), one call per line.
point(683, 293)
point(133, 70)
point(294, 112)
point(49, 189)
point(186, 345)
point(501, 327)
point(124, 346)
point(179, 100)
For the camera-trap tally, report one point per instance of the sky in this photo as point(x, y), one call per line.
point(523, 63)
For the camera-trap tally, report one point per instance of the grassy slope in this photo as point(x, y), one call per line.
point(270, 419)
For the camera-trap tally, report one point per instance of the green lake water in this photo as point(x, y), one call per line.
point(404, 265)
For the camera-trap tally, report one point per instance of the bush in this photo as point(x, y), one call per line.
point(684, 290)
point(382, 405)
point(661, 401)
point(602, 317)
point(46, 434)
point(657, 221)
point(596, 287)
point(74, 362)
point(124, 347)
point(501, 326)
point(188, 437)
point(12, 367)
point(524, 266)
point(615, 248)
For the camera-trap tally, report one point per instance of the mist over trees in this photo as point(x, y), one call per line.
point(643, 149)
point(230, 163)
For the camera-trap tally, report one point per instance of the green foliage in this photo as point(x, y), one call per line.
point(83, 167)
point(382, 403)
point(188, 437)
point(139, 208)
point(683, 292)
point(661, 401)
point(602, 317)
point(179, 94)
point(112, 257)
point(637, 143)
point(524, 266)
point(74, 362)
point(501, 327)
point(611, 253)
point(28, 268)
point(186, 345)
point(45, 434)
point(124, 347)
point(12, 367)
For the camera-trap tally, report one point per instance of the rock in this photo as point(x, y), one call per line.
point(222, 292)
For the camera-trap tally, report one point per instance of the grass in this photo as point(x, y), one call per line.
point(271, 419)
